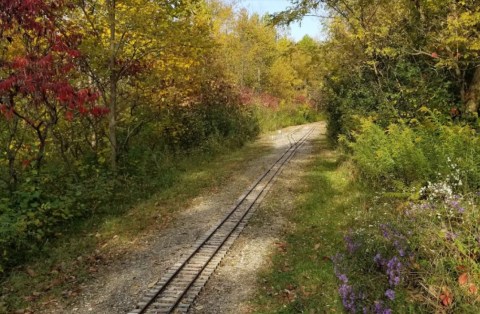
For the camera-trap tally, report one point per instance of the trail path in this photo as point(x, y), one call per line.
point(119, 286)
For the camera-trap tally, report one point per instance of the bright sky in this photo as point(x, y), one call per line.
point(309, 25)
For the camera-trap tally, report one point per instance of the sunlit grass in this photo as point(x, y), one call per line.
point(301, 279)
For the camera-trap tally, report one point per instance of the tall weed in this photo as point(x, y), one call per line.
point(406, 155)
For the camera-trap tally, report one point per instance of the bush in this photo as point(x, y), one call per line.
point(45, 204)
point(350, 94)
point(411, 155)
point(419, 255)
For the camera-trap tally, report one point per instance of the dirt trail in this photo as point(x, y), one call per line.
point(121, 285)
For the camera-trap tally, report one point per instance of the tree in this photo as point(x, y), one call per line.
point(39, 53)
point(129, 39)
point(435, 36)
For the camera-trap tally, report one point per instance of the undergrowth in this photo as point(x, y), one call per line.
point(394, 229)
point(57, 270)
point(416, 248)
point(301, 278)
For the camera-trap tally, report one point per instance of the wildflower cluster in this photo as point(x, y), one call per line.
point(430, 246)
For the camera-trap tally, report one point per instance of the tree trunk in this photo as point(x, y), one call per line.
point(112, 118)
point(472, 96)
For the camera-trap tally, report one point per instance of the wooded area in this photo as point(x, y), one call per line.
point(97, 97)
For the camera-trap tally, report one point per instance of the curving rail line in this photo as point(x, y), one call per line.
point(176, 291)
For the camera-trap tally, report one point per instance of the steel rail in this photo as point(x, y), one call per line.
point(292, 150)
point(180, 297)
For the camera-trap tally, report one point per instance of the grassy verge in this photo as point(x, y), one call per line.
point(302, 278)
point(59, 270)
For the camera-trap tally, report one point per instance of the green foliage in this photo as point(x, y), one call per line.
point(386, 66)
point(271, 119)
point(404, 155)
point(43, 204)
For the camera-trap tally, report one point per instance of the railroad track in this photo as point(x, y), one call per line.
point(178, 288)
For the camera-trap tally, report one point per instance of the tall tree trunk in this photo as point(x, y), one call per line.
point(472, 96)
point(112, 118)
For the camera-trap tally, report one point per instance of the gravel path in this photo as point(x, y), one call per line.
point(121, 284)
point(235, 282)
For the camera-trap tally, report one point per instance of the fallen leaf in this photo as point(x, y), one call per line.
point(92, 270)
point(282, 246)
point(289, 295)
point(472, 288)
point(304, 291)
point(463, 279)
point(56, 282)
point(317, 246)
point(446, 297)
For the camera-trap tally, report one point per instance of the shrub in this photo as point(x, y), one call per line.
point(403, 155)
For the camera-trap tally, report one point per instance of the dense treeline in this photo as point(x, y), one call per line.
point(401, 83)
point(95, 94)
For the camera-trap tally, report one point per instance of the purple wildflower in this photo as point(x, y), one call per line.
point(385, 231)
point(425, 206)
point(379, 308)
point(348, 297)
point(343, 278)
point(390, 294)
point(352, 246)
point(378, 259)
point(456, 205)
point(394, 268)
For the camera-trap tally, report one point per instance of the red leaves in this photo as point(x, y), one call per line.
point(446, 298)
point(31, 15)
point(99, 111)
point(463, 279)
point(465, 282)
point(6, 111)
point(19, 63)
point(69, 115)
point(434, 55)
point(25, 164)
point(472, 289)
point(7, 84)
point(40, 75)
point(73, 53)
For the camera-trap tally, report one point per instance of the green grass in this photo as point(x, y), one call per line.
point(64, 264)
point(301, 279)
